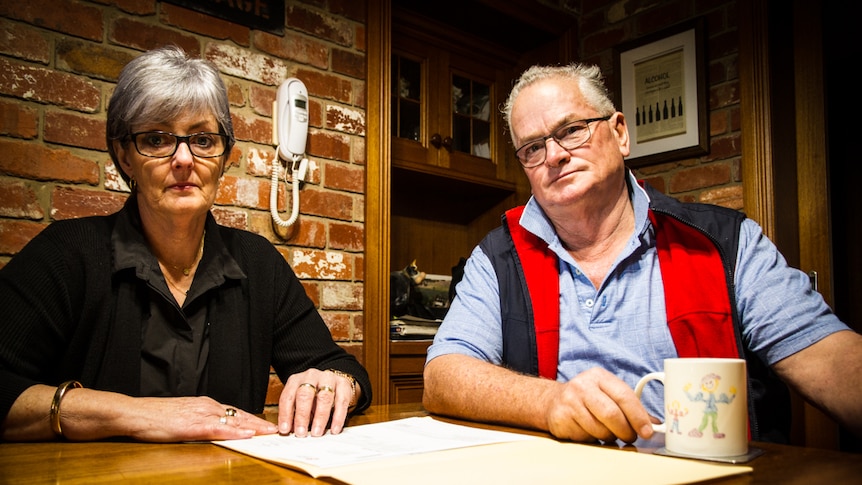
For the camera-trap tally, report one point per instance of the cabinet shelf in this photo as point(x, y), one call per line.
point(444, 195)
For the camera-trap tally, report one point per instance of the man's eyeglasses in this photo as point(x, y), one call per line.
point(570, 136)
point(160, 144)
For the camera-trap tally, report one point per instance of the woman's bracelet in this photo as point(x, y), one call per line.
point(55, 405)
point(352, 385)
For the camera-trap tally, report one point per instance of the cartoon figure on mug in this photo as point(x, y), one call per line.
point(709, 385)
point(674, 412)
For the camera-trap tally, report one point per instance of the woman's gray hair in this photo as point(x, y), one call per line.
point(160, 85)
point(589, 78)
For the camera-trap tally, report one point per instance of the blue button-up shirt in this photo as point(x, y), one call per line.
point(622, 325)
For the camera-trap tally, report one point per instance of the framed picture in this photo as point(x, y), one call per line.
point(661, 84)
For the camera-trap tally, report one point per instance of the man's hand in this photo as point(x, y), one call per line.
point(597, 405)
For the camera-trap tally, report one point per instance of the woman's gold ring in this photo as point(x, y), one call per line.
point(308, 384)
point(230, 412)
point(326, 388)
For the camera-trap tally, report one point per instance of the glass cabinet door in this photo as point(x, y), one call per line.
point(407, 98)
point(471, 117)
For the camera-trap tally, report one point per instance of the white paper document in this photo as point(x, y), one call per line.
point(358, 444)
point(426, 451)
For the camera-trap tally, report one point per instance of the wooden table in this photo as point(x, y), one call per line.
point(131, 462)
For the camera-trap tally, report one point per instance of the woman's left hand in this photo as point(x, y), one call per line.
point(310, 398)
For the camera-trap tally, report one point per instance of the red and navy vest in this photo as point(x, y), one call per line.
point(697, 248)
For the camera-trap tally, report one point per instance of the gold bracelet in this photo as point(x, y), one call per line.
point(352, 384)
point(55, 405)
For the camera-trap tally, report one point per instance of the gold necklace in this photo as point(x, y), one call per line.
point(171, 283)
point(188, 270)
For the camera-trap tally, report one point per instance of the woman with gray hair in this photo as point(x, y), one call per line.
point(157, 323)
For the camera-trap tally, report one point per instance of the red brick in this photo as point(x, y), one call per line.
point(344, 119)
point(312, 289)
point(330, 28)
point(321, 265)
point(724, 95)
point(290, 46)
point(69, 203)
point(336, 295)
point(15, 234)
point(329, 204)
point(250, 128)
point(235, 93)
point(724, 147)
point(18, 120)
point(38, 162)
point(359, 268)
point(47, 86)
point(138, 7)
point(23, 42)
point(146, 36)
point(66, 16)
point(91, 59)
point(348, 63)
point(700, 177)
point(324, 85)
point(231, 218)
point(718, 122)
point(329, 145)
point(344, 177)
point(260, 99)
point(358, 327)
point(244, 192)
point(75, 130)
point(204, 24)
point(338, 324)
point(312, 234)
point(242, 63)
point(730, 197)
point(350, 237)
point(19, 200)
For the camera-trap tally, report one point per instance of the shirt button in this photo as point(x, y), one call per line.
point(577, 271)
point(589, 303)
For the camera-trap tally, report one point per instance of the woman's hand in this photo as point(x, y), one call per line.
point(88, 414)
point(311, 398)
point(194, 419)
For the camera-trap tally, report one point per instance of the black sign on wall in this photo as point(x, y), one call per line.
point(266, 15)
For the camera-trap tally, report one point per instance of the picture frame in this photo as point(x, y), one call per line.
point(660, 80)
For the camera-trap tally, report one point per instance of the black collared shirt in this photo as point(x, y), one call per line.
point(175, 340)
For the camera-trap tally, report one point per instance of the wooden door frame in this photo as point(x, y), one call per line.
point(377, 196)
point(809, 206)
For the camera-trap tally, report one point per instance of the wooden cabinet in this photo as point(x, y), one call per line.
point(453, 172)
point(406, 362)
point(425, 202)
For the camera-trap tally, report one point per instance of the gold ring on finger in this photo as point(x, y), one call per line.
point(230, 412)
point(308, 384)
point(326, 388)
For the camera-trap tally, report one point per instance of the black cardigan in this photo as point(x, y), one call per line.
point(67, 313)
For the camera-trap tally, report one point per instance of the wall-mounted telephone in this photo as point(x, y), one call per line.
point(289, 134)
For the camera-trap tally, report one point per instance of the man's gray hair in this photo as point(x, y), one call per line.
point(589, 78)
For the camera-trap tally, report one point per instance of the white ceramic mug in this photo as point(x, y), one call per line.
point(706, 406)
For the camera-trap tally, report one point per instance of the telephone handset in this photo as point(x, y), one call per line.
point(291, 116)
point(289, 134)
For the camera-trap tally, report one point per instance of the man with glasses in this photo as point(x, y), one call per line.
point(599, 278)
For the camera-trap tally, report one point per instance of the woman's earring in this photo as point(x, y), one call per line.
point(133, 185)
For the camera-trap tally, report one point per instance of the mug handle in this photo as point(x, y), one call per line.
point(659, 376)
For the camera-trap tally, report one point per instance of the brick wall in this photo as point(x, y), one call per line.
point(59, 61)
point(713, 178)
